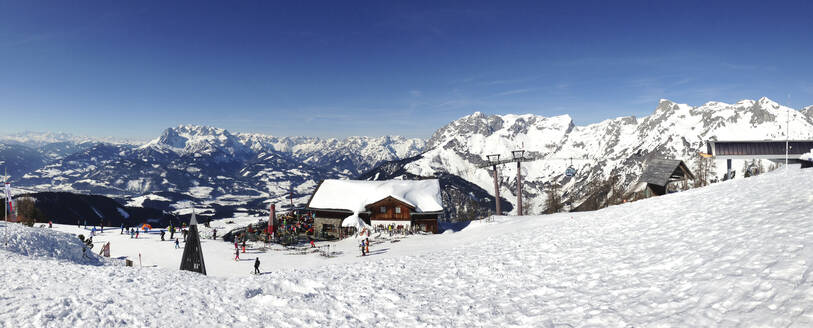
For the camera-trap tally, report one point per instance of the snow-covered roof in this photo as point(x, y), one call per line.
point(354, 221)
point(354, 195)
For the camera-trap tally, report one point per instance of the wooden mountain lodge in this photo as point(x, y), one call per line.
point(660, 177)
point(341, 207)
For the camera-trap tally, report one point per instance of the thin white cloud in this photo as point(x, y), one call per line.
point(512, 92)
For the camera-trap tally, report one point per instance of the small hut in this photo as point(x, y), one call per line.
point(659, 174)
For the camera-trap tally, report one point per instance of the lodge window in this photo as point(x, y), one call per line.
point(383, 209)
point(398, 210)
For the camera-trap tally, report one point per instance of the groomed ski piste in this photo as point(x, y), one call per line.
point(736, 253)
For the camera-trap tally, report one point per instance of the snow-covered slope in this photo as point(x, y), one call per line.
point(612, 148)
point(736, 253)
point(44, 244)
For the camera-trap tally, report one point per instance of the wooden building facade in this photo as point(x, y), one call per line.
point(412, 205)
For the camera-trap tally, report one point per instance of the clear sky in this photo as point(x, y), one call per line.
point(340, 68)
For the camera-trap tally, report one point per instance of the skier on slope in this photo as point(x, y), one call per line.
point(257, 265)
point(237, 255)
point(363, 253)
point(162, 234)
point(177, 245)
point(244, 245)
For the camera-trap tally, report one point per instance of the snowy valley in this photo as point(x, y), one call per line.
point(736, 253)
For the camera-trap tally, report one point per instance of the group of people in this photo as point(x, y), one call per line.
point(296, 223)
point(237, 248)
point(393, 229)
point(287, 227)
point(365, 246)
point(133, 232)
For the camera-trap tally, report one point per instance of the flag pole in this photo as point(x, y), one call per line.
point(5, 180)
point(787, 137)
point(5, 206)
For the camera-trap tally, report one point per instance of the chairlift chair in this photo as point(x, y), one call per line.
point(570, 171)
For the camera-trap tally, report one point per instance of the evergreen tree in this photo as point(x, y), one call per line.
point(27, 211)
point(554, 202)
point(704, 171)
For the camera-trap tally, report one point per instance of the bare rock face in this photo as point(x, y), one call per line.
point(807, 112)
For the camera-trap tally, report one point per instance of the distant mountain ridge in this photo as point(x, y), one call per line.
point(212, 168)
point(210, 164)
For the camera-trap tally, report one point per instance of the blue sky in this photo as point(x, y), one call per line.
point(337, 68)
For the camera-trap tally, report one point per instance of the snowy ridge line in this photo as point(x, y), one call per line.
point(616, 148)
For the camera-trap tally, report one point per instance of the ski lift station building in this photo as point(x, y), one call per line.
point(659, 174)
point(340, 206)
point(774, 150)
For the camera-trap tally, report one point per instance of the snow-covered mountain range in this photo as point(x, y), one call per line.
point(212, 168)
point(615, 148)
point(200, 165)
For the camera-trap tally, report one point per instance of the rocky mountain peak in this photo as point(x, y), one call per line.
point(765, 102)
point(666, 106)
point(171, 138)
